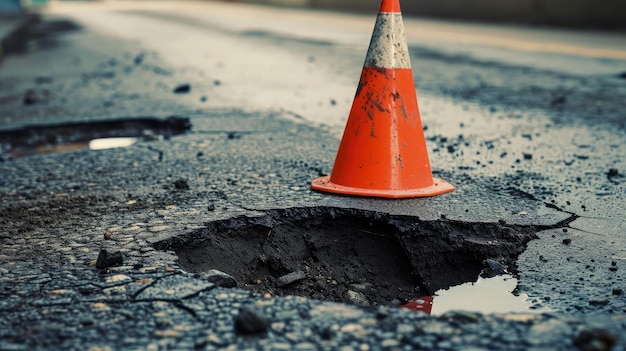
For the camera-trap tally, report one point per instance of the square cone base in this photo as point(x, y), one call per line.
point(439, 187)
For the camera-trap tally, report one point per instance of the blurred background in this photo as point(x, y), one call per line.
point(576, 13)
point(599, 14)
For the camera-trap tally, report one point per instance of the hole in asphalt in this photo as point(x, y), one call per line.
point(348, 255)
point(96, 135)
point(38, 34)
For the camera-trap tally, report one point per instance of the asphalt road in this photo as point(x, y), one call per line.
point(528, 124)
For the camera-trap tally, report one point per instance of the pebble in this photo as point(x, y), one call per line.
point(182, 89)
point(251, 320)
point(360, 287)
point(357, 298)
point(219, 278)
point(492, 269)
point(106, 260)
point(290, 278)
point(181, 184)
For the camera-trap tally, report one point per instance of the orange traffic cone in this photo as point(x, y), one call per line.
point(383, 151)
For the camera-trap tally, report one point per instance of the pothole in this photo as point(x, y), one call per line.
point(348, 255)
point(96, 135)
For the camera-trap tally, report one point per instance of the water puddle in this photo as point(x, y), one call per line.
point(111, 143)
point(95, 135)
point(486, 295)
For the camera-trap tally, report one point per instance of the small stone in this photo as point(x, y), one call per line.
point(181, 184)
point(251, 320)
point(528, 156)
point(219, 278)
point(356, 298)
point(106, 260)
point(210, 207)
point(567, 241)
point(107, 236)
point(613, 172)
point(598, 302)
point(290, 278)
point(182, 89)
point(492, 269)
point(360, 287)
point(595, 340)
point(617, 292)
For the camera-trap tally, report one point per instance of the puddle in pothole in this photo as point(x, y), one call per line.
point(352, 256)
point(95, 135)
point(485, 295)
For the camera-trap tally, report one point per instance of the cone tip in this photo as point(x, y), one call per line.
point(390, 6)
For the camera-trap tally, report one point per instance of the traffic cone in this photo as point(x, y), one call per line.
point(383, 151)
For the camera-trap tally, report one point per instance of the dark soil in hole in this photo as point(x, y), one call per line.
point(348, 255)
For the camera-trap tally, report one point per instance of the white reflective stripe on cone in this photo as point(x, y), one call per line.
point(388, 48)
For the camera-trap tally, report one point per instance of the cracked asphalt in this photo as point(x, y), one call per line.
point(524, 144)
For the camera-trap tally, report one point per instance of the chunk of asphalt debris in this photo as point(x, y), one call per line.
point(251, 320)
point(492, 269)
point(357, 298)
point(219, 278)
point(106, 260)
point(613, 172)
point(182, 89)
point(360, 287)
point(181, 184)
point(290, 278)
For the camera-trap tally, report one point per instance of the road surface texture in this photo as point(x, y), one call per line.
point(205, 234)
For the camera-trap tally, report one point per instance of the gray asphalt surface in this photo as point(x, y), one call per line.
point(528, 144)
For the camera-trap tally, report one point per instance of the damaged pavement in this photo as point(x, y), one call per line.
point(141, 247)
